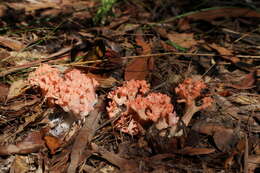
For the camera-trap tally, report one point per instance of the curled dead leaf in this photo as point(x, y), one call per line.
point(17, 88)
point(32, 143)
point(52, 143)
point(197, 151)
point(185, 40)
point(20, 164)
point(227, 54)
point(4, 89)
point(105, 82)
point(224, 138)
point(139, 68)
point(247, 82)
point(11, 43)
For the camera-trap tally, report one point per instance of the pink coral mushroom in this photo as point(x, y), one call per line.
point(73, 91)
point(135, 109)
point(189, 91)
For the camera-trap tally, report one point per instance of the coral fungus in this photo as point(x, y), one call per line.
point(189, 91)
point(73, 91)
point(135, 109)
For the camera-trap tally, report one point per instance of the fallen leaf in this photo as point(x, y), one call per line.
point(125, 165)
point(184, 24)
point(32, 143)
point(52, 143)
point(3, 9)
point(226, 107)
point(59, 161)
point(17, 88)
point(3, 92)
point(139, 68)
point(11, 43)
point(196, 151)
point(247, 82)
point(18, 105)
point(244, 99)
point(224, 51)
point(213, 13)
point(29, 7)
point(20, 164)
point(253, 163)
point(185, 40)
point(85, 135)
point(224, 138)
point(104, 82)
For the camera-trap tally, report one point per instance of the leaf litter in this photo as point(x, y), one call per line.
point(204, 57)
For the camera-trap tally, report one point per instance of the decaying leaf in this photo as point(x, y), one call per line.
point(11, 43)
point(214, 13)
point(52, 143)
point(20, 164)
point(18, 105)
point(4, 89)
point(33, 6)
point(125, 165)
point(17, 88)
point(196, 151)
point(139, 68)
point(85, 135)
point(226, 53)
point(224, 138)
point(104, 82)
point(226, 107)
point(247, 82)
point(253, 163)
point(185, 40)
point(32, 143)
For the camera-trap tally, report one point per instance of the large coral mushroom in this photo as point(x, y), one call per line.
point(73, 91)
point(135, 109)
point(189, 91)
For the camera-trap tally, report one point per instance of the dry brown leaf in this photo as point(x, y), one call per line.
point(85, 135)
point(247, 82)
point(52, 143)
point(125, 165)
point(17, 88)
point(105, 82)
point(185, 40)
point(18, 105)
point(29, 7)
point(253, 163)
point(4, 89)
point(139, 68)
point(212, 14)
point(184, 24)
point(32, 143)
point(11, 43)
point(245, 99)
point(197, 151)
point(226, 107)
point(3, 9)
point(20, 165)
point(224, 138)
point(224, 51)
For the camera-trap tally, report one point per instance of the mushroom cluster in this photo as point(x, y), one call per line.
point(189, 91)
point(135, 108)
point(72, 90)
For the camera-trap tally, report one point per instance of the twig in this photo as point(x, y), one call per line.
point(246, 155)
point(35, 63)
point(190, 54)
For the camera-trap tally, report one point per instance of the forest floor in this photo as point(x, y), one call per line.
point(212, 45)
